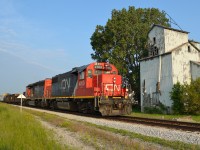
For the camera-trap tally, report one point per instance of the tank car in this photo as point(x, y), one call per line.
point(96, 87)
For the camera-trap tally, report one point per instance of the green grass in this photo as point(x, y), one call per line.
point(170, 117)
point(21, 131)
point(91, 133)
point(165, 143)
point(95, 137)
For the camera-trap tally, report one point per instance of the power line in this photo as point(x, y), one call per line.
point(172, 21)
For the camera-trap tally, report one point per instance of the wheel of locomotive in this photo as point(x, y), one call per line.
point(53, 105)
point(127, 108)
point(105, 110)
point(39, 103)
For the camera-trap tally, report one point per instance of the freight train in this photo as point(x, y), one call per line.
point(96, 87)
point(11, 98)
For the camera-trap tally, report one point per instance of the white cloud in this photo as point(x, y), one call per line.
point(16, 33)
point(29, 55)
point(6, 32)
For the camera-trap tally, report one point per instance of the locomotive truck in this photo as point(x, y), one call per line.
point(96, 87)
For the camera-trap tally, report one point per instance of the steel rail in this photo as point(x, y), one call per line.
point(178, 125)
point(172, 124)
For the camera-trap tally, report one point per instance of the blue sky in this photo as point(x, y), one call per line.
point(42, 38)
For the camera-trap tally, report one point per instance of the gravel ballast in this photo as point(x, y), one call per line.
point(163, 133)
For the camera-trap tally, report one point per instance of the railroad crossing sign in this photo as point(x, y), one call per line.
point(22, 97)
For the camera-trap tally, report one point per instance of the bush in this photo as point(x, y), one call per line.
point(176, 96)
point(159, 109)
point(186, 98)
point(152, 110)
point(191, 97)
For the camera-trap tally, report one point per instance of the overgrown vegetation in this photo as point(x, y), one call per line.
point(158, 109)
point(177, 96)
point(152, 110)
point(20, 131)
point(186, 98)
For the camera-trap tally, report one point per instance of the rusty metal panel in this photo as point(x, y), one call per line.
point(195, 70)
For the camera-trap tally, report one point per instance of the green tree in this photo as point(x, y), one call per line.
point(123, 41)
point(176, 96)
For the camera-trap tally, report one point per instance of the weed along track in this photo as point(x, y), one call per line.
point(178, 125)
point(124, 126)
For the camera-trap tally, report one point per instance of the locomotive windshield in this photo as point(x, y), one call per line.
point(98, 72)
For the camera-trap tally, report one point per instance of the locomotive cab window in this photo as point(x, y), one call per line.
point(89, 73)
point(107, 72)
point(98, 72)
point(81, 75)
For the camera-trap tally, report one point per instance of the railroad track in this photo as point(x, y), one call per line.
point(178, 125)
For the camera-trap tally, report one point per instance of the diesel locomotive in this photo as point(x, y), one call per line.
point(96, 87)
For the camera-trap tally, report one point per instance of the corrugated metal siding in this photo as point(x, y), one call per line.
point(181, 63)
point(149, 74)
point(157, 33)
point(175, 65)
point(195, 70)
point(148, 79)
point(166, 82)
point(174, 39)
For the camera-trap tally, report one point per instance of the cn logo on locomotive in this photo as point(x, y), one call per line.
point(109, 87)
point(65, 84)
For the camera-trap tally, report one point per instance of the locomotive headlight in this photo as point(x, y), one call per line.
point(114, 79)
point(126, 90)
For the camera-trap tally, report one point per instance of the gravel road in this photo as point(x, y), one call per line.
point(66, 138)
point(163, 133)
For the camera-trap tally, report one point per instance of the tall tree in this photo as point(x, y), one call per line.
point(123, 41)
